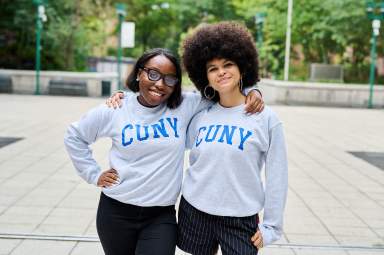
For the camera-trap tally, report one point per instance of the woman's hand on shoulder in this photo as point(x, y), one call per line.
point(254, 102)
point(115, 100)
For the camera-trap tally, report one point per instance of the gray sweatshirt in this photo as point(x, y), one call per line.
point(147, 148)
point(228, 152)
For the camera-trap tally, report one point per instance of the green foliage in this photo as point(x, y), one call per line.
point(16, 33)
point(322, 31)
point(73, 30)
point(323, 28)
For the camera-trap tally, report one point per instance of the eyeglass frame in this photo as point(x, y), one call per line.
point(162, 76)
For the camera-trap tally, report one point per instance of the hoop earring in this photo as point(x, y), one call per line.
point(241, 84)
point(205, 92)
point(137, 84)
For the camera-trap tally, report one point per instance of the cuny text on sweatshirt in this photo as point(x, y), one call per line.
point(147, 148)
point(229, 149)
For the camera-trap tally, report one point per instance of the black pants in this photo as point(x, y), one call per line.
point(201, 233)
point(126, 229)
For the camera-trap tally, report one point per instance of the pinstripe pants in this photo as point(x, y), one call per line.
point(200, 233)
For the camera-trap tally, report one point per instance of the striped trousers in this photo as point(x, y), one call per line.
point(200, 233)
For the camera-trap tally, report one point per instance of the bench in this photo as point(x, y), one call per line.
point(68, 88)
point(325, 72)
point(5, 84)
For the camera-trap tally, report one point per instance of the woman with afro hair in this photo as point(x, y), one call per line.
point(223, 192)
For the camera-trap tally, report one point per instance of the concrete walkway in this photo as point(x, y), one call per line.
point(335, 202)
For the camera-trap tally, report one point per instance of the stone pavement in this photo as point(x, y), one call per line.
point(335, 202)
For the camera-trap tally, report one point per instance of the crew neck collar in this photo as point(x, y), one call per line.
point(149, 109)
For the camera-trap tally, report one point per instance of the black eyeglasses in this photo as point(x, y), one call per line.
point(154, 75)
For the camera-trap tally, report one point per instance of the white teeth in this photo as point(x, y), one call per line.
point(155, 93)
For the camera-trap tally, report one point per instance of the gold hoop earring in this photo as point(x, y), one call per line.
point(241, 84)
point(209, 97)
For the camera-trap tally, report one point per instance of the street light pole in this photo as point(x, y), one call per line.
point(37, 57)
point(120, 9)
point(288, 41)
point(375, 33)
point(40, 18)
point(375, 12)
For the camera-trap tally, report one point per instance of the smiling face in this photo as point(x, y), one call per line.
point(223, 75)
point(153, 93)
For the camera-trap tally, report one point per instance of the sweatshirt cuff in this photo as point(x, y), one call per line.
point(246, 91)
point(94, 181)
point(266, 234)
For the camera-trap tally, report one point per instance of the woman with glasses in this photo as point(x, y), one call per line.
point(136, 212)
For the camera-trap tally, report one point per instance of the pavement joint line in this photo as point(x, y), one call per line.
point(326, 247)
point(30, 126)
point(330, 170)
point(16, 154)
point(313, 212)
point(49, 237)
point(362, 173)
point(350, 165)
point(344, 206)
point(55, 206)
point(337, 198)
point(90, 225)
point(83, 238)
point(16, 246)
point(73, 248)
point(37, 185)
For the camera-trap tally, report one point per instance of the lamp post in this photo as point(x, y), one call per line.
point(40, 18)
point(120, 9)
point(259, 21)
point(375, 12)
point(288, 40)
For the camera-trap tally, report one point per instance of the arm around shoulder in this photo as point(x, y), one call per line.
point(197, 102)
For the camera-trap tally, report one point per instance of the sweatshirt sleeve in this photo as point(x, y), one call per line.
point(81, 134)
point(200, 103)
point(196, 102)
point(246, 91)
point(276, 178)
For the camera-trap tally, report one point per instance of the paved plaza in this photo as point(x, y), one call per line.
point(335, 201)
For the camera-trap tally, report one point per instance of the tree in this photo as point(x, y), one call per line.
point(322, 30)
point(17, 34)
point(73, 31)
